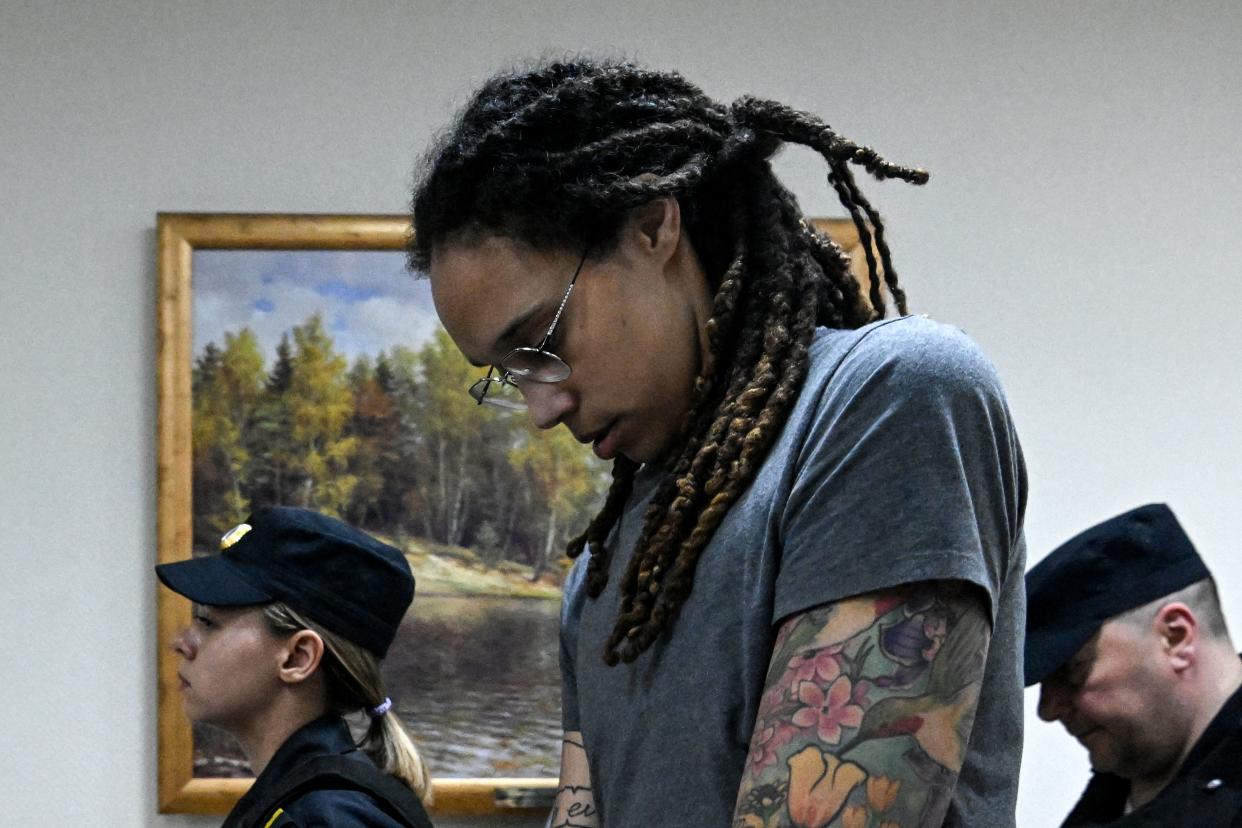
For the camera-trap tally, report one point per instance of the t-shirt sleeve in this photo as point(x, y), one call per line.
point(573, 596)
point(910, 471)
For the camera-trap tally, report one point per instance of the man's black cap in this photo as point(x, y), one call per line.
point(339, 577)
point(1120, 564)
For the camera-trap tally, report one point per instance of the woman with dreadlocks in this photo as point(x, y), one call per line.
point(801, 601)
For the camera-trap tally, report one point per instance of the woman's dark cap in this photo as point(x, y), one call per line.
point(336, 575)
point(1122, 563)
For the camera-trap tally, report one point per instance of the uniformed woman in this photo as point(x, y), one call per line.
point(290, 623)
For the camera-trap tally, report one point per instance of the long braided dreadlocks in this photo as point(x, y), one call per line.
point(557, 156)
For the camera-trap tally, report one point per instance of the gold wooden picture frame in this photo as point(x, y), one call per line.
point(180, 237)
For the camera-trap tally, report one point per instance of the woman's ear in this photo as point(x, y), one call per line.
point(657, 226)
point(300, 656)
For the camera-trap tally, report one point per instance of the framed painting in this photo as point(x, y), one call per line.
point(300, 363)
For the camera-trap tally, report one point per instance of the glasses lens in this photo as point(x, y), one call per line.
point(498, 394)
point(479, 391)
point(536, 365)
point(504, 395)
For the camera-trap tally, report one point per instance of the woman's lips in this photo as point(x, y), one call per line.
point(605, 445)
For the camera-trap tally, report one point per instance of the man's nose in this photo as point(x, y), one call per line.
point(547, 402)
point(1052, 702)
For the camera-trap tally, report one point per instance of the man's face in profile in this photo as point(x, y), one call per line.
point(1113, 697)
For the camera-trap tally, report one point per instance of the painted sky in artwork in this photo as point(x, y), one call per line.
point(368, 301)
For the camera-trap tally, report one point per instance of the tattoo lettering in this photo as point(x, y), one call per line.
point(575, 808)
point(575, 802)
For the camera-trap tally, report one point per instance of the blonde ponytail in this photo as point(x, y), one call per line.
point(392, 749)
point(354, 682)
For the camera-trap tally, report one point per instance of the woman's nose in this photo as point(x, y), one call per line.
point(547, 402)
point(182, 645)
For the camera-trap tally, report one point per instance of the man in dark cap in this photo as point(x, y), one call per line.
point(1126, 637)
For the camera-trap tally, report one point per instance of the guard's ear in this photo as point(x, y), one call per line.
point(1178, 629)
point(300, 656)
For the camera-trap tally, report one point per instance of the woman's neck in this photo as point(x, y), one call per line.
point(271, 729)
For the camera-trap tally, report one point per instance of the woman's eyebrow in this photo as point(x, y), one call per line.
point(505, 342)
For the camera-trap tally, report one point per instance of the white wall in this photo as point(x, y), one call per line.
point(1080, 224)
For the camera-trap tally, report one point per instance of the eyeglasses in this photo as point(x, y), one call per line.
point(525, 365)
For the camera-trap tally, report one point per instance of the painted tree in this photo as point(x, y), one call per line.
point(501, 491)
point(399, 372)
point(319, 404)
point(450, 429)
point(374, 423)
point(228, 388)
point(563, 477)
point(272, 474)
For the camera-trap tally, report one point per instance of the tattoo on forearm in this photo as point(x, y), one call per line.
point(866, 712)
point(574, 742)
point(575, 808)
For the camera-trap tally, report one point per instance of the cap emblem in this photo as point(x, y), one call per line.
point(234, 535)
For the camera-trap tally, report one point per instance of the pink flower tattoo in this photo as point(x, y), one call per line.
point(821, 666)
point(763, 750)
point(829, 711)
point(762, 753)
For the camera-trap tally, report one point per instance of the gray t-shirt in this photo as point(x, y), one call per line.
point(898, 464)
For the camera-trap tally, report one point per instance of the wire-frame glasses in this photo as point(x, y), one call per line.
point(500, 387)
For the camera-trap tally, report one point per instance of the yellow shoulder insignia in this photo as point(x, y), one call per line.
point(280, 820)
point(233, 536)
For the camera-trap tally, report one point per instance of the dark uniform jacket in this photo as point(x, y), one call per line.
point(1206, 793)
point(334, 801)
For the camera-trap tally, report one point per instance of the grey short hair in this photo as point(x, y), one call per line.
point(1201, 597)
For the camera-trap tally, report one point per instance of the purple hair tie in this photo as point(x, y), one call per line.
point(380, 709)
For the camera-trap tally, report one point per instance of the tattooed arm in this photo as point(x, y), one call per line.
point(575, 804)
point(866, 711)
